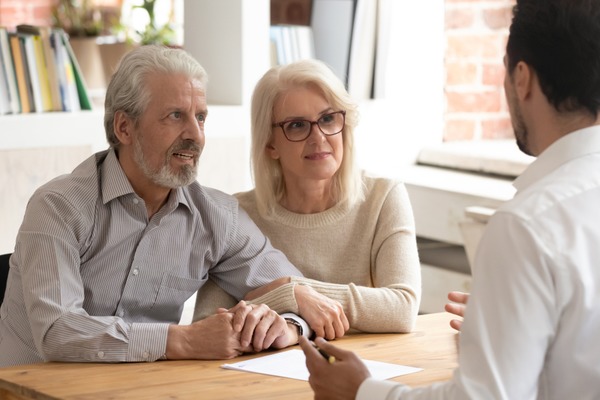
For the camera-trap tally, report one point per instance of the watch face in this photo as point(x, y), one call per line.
point(296, 324)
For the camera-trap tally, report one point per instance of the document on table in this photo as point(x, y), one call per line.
point(292, 364)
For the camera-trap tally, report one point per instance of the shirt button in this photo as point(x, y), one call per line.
point(121, 313)
point(135, 271)
point(135, 201)
point(101, 355)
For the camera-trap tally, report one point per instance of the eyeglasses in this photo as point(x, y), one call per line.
point(297, 130)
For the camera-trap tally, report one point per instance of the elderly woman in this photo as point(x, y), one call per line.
point(351, 235)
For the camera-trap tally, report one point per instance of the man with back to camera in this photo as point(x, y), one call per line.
point(531, 324)
point(107, 255)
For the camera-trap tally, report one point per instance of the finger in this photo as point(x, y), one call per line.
point(330, 349)
point(329, 331)
point(458, 297)
point(310, 351)
point(457, 309)
point(259, 336)
point(271, 327)
point(240, 313)
point(456, 324)
point(339, 329)
point(345, 321)
point(341, 324)
point(318, 330)
point(250, 323)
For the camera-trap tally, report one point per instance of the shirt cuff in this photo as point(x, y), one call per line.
point(147, 341)
point(375, 389)
point(306, 331)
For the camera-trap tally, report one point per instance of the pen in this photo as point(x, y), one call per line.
point(326, 356)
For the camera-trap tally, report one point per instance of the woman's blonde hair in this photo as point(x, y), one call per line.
point(267, 173)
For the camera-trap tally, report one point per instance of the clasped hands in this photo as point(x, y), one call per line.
point(229, 333)
point(260, 328)
point(254, 327)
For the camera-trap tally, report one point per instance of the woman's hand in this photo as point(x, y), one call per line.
point(325, 316)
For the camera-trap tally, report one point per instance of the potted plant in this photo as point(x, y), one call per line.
point(140, 25)
point(79, 18)
point(85, 21)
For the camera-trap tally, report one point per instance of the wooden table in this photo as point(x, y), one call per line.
point(431, 346)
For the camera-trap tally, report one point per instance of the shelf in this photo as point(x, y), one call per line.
point(56, 129)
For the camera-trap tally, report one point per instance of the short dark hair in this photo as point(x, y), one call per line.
point(560, 40)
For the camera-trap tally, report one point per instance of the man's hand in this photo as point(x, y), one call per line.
point(324, 315)
point(339, 380)
point(212, 338)
point(457, 307)
point(260, 327)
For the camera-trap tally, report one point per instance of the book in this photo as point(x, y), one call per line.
point(28, 82)
point(32, 67)
point(292, 43)
point(9, 70)
point(45, 66)
point(306, 42)
point(4, 93)
point(66, 76)
point(51, 66)
point(20, 72)
point(82, 91)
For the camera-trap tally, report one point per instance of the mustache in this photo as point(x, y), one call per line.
point(187, 145)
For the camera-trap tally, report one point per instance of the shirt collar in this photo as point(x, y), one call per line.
point(116, 184)
point(569, 147)
point(113, 179)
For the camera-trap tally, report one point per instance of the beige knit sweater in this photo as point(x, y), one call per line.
point(366, 258)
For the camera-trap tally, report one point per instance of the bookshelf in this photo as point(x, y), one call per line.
point(54, 129)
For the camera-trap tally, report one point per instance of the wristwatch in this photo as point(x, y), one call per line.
point(296, 320)
point(296, 324)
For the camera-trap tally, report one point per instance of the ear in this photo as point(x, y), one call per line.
point(123, 126)
point(523, 80)
point(272, 151)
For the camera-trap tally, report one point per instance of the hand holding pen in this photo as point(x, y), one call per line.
point(326, 356)
point(334, 372)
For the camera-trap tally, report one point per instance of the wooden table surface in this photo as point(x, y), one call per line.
point(431, 346)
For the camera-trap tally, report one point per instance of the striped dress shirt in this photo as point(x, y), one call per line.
point(93, 279)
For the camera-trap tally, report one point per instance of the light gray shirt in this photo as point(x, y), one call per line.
point(93, 279)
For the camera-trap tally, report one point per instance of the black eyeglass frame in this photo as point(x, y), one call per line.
point(282, 123)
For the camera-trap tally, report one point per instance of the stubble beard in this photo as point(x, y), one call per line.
point(518, 123)
point(165, 176)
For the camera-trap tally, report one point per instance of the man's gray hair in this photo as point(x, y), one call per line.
point(128, 91)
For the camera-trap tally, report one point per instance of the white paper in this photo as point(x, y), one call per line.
point(292, 364)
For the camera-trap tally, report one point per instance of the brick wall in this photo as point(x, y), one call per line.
point(476, 32)
point(34, 12)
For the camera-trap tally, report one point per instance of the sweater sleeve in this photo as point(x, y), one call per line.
point(392, 304)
